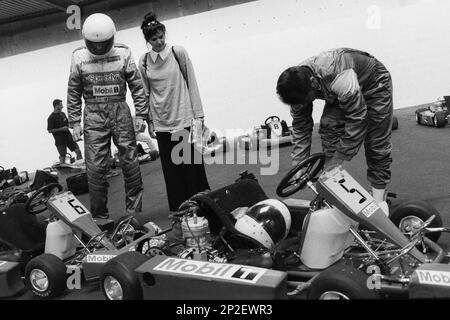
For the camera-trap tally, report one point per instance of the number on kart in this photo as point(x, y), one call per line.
point(77, 208)
point(348, 190)
point(275, 126)
point(352, 190)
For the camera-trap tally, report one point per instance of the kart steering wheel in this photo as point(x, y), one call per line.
point(312, 165)
point(38, 201)
point(271, 118)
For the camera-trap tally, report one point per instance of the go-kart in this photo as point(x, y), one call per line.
point(44, 253)
point(273, 132)
point(436, 114)
point(334, 243)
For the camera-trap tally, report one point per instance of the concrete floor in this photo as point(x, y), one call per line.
point(420, 170)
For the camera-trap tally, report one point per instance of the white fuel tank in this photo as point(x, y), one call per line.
point(60, 240)
point(327, 236)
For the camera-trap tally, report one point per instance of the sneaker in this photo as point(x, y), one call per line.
point(144, 157)
point(154, 154)
point(102, 216)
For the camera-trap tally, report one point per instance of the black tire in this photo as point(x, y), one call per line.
point(344, 280)
point(420, 209)
point(121, 269)
point(418, 114)
point(395, 123)
point(440, 119)
point(55, 271)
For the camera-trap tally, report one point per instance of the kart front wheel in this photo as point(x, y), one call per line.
point(341, 282)
point(118, 279)
point(46, 276)
point(410, 215)
point(440, 119)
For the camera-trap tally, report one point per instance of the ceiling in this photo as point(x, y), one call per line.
point(13, 10)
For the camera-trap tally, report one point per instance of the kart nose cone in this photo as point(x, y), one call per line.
point(113, 289)
point(38, 280)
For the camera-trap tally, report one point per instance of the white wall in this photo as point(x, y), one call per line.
point(238, 53)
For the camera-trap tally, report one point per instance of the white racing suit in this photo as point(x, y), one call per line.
point(101, 80)
point(357, 89)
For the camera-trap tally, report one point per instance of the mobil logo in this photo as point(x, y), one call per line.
point(440, 278)
point(224, 271)
point(99, 258)
point(111, 90)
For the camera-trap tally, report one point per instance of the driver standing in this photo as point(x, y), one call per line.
point(357, 89)
point(99, 72)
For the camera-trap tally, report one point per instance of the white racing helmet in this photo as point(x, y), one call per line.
point(267, 221)
point(98, 33)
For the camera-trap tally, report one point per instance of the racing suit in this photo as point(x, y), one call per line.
point(357, 89)
point(101, 80)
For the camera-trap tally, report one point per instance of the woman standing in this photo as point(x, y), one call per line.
point(171, 87)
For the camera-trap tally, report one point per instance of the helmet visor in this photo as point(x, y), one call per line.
point(99, 48)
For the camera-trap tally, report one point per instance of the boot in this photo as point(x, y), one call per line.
point(380, 199)
point(79, 155)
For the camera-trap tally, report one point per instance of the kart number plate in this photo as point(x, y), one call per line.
point(349, 191)
point(69, 206)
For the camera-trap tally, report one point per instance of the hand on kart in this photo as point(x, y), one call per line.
point(77, 132)
point(151, 129)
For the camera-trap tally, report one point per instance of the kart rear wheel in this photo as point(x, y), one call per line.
point(411, 214)
point(440, 119)
point(118, 279)
point(341, 282)
point(46, 276)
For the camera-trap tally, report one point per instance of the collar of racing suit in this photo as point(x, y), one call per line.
point(324, 92)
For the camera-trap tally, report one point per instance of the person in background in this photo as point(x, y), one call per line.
point(57, 125)
point(357, 89)
point(175, 104)
point(100, 72)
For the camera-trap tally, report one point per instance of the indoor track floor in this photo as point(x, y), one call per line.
point(420, 170)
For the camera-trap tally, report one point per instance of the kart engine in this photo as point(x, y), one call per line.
point(197, 238)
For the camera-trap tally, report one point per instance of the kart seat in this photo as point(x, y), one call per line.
point(217, 205)
point(22, 230)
